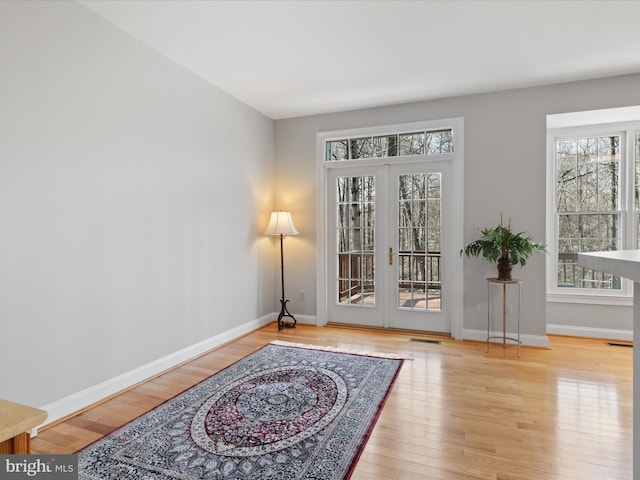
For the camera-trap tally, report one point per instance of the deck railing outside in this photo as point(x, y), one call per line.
point(570, 274)
point(356, 271)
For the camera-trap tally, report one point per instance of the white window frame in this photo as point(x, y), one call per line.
point(628, 237)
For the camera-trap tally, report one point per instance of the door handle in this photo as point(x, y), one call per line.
point(390, 255)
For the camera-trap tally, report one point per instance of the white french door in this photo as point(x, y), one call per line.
point(387, 254)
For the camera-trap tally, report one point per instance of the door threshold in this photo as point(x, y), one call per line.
point(387, 329)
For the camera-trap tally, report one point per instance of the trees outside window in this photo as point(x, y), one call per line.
point(596, 202)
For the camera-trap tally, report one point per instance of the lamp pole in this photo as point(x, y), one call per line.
point(284, 312)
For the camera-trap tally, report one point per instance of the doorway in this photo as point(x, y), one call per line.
point(388, 233)
point(387, 253)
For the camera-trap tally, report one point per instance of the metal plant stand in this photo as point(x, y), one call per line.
point(504, 336)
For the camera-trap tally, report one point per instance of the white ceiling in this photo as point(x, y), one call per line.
point(293, 58)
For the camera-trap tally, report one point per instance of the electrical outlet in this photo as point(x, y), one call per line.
point(508, 308)
point(301, 294)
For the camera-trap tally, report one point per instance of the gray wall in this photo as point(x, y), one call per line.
point(505, 155)
point(133, 196)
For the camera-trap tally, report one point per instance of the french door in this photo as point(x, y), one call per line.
point(387, 229)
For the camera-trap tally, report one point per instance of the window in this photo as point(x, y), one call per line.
point(587, 206)
point(402, 144)
point(595, 203)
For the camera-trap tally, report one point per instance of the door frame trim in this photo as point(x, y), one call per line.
point(457, 205)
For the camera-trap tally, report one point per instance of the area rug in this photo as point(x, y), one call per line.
point(282, 413)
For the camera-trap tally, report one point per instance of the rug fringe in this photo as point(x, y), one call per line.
point(329, 348)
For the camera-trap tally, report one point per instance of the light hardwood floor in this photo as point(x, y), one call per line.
point(455, 412)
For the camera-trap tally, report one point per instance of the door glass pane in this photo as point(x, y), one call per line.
point(419, 232)
point(355, 226)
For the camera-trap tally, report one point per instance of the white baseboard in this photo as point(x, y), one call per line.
point(83, 399)
point(80, 400)
point(576, 331)
point(305, 319)
point(525, 339)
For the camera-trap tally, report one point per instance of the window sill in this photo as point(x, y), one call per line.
point(620, 300)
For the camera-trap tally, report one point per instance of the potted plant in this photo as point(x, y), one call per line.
point(500, 244)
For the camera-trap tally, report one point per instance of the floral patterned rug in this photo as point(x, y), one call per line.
point(284, 412)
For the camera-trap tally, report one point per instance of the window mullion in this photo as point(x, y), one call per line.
point(629, 240)
point(634, 160)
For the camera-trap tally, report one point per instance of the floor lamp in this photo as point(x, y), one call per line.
point(281, 224)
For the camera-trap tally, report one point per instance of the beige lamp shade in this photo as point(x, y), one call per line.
point(281, 224)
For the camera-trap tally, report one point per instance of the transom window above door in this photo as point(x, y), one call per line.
point(428, 142)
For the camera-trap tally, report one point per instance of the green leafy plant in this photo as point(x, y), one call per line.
point(503, 246)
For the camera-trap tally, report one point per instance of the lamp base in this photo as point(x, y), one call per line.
point(284, 312)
